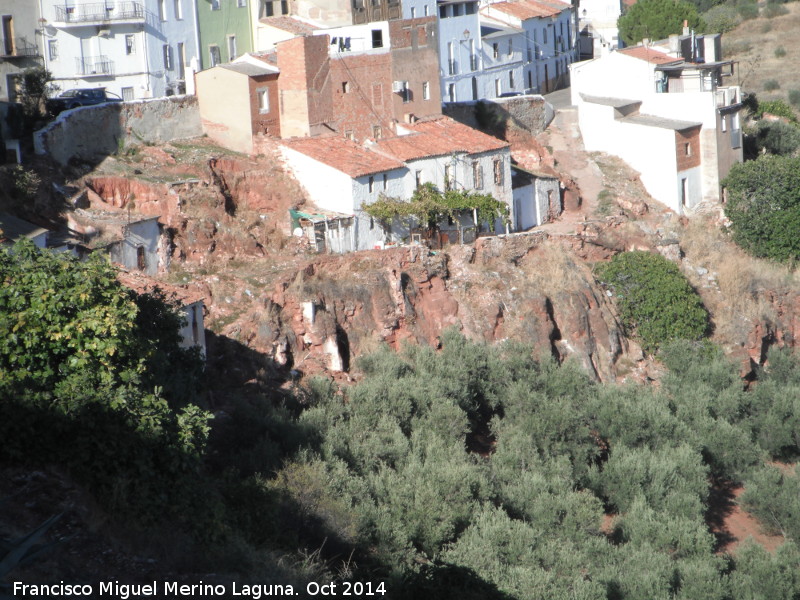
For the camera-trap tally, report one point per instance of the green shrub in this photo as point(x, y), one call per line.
point(655, 299)
point(774, 497)
point(774, 10)
point(779, 108)
point(794, 98)
point(780, 51)
point(721, 18)
point(777, 137)
point(766, 27)
point(747, 10)
point(771, 85)
point(764, 206)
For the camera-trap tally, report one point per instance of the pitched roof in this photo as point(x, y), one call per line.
point(654, 57)
point(438, 137)
point(343, 155)
point(528, 9)
point(289, 24)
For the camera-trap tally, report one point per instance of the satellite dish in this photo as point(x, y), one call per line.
point(298, 232)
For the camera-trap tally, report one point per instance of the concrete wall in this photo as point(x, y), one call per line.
point(327, 188)
point(529, 113)
point(144, 234)
point(224, 104)
point(91, 133)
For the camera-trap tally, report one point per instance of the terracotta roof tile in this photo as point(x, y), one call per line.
point(436, 138)
point(290, 24)
point(344, 155)
point(648, 54)
point(529, 9)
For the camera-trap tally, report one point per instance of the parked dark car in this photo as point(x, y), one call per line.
point(80, 97)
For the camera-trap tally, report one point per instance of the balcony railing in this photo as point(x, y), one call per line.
point(726, 96)
point(18, 47)
point(453, 66)
point(100, 11)
point(94, 65)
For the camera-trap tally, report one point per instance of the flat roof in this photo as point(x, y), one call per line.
point(250, 69)
point(661, 122)
point(608, 101)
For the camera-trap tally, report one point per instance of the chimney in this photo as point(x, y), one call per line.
point(674, 44)
point(645, 42)
point(685, 27)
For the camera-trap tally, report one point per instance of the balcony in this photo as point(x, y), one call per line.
point(18, 48)
point(94, 66)
point(727, 96)
point(99, 13)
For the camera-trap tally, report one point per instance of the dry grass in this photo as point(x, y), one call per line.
point(753, 45)
point(552, 269)
point(741, 280)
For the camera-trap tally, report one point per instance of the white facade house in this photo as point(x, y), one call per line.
point(341, 177)
point(670, 117)
point(133, 48)
point(598, 21)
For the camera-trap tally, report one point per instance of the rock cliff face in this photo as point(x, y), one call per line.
point(323, 316)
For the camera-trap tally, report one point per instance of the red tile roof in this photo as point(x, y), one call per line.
point(436, 138)
point(648, 54)
point(529, 9)
point(343, 155)
point(290, 24)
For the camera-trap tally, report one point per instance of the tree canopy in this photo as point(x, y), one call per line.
point(764, 206)
point(656, 20)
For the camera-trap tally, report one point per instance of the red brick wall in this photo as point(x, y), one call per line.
point(268, 123)
point(369, 101)
point(415, 59)
point(691, 137)
point(304, 84)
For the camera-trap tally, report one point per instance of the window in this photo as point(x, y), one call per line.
point(141, 259)
point(181, 60)
point(214, 4)
point(371, 184)
point(510, 47)
point(371, 223)
point(345, 87)
point(544, 33)
point(52, 49)
point(413, 12)
point(349, 135)
point(456, 10)
point(498, 171)
point(385, 182)
point(442, 11)
point(377, 94)
point(162, 10)
point(470, 8)
point(426, 10)
point(263, 100)
point(687, 148)
point(477, 175)
point(511, 80)
point(498, 88)
point(684, 190)
point(377, 133)
point(130, 44)
point(377, 38)
point(418, 178)
point(241, 3)
point(448, 178)
point(127, 94)
point(724, 123)
point(406, 93)
point(8, 35)
point(426, 90)
point(495, 50)
point(167, 52)
point(179, 9)
point(451, 91)
point(214, 55)
point(232, 47)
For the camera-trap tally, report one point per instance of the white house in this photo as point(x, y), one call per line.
point(134, 48)
point(598, 21)
point(340, 176)
point(670, 116)
point(13, 229)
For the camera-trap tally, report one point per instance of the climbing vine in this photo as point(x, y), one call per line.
point(428, 206)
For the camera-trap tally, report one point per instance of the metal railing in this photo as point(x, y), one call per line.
point(94, 65)
point(18, 47)
point(99, 11)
